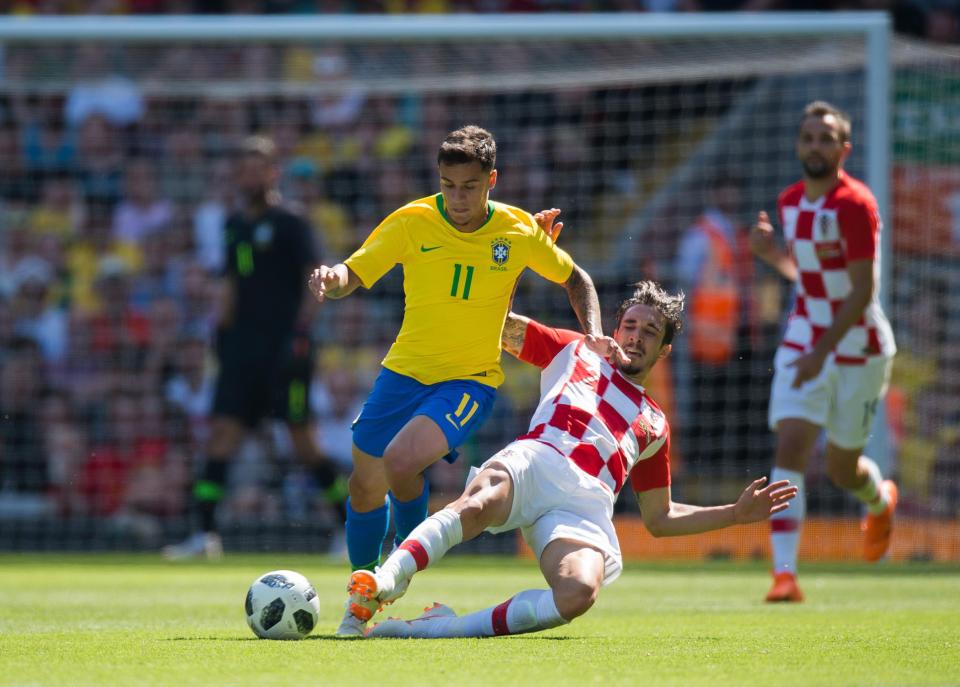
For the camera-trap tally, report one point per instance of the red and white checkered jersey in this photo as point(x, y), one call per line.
point(589, 412)
point(823, 237)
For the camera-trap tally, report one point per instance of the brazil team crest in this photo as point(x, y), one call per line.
point(500, 250)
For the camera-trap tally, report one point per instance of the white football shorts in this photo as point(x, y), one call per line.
point(842, 399)
point(554, 499)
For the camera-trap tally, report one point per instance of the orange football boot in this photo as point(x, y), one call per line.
point(785, 588)
point(877, 528)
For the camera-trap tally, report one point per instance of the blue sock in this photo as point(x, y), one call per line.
point(365, 533)
point(409, 514)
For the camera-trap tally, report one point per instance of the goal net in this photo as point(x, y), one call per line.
point(116, 139)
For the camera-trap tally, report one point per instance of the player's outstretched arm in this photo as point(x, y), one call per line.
point(663, 517)
point(333, 282)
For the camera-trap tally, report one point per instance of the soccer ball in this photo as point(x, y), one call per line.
point(282, 604)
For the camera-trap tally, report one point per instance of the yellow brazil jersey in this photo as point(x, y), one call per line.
point(457, 285)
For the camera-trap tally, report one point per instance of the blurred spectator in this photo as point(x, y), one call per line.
point(60, 210)
point(80, 371)
point(84, 255)
point(153, 281)
point(18, 243)
point(120, 334)
point(330, 223)
point(23, 463)
point(99, 91)
point(335, 398)
point(159, 470)
point(184, 174)
point(103, 479)
point(48, 145)
point(166, 322)
point(210, 216)
point(713, 362)
point(141, 211)
point(34, 317)
point(190, 387)
point(198, 298)
point(100, 161)
point(65, 444)
point(223, 123)
point(15, 187)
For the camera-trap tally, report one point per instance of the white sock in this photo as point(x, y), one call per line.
point(428, 543)
point(785, 526)
point(870, 493)
point(529, 611)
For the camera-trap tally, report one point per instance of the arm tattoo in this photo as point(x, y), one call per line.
point(514, 333)
point(583, 299)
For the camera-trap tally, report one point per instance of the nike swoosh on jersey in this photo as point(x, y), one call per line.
point(424, 249)
point(452, 421)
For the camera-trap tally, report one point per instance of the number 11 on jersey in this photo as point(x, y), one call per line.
point(468, 278)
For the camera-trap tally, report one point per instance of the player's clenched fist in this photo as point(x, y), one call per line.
point(606, 347)
point(761, 236)
point(323, 281)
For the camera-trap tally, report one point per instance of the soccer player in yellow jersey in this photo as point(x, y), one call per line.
point(462, 255)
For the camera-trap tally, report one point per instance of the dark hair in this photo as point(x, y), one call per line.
point(469, 144)
point(669, 305)
point(821, 108)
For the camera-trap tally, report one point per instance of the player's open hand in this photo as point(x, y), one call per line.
point(758, 502)
point(547, 220)
point(607, 348)
point(808, 366)
point(322, 281)
point(761, 236)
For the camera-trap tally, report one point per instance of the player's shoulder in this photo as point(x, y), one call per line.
point(852, 191)
point(791, 195)
point(516, 217)
point(421, 207)
point(651, 411)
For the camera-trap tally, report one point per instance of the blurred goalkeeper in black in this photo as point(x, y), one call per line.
point(262, 342)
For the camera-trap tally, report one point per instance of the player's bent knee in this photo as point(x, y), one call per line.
point(366, 493)
point(575, 597)
point(472, 512)
point(400, 467)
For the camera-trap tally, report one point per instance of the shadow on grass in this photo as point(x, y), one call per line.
point(208, 638)
point(335, 638)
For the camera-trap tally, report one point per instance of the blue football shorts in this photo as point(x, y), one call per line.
point(458, 407)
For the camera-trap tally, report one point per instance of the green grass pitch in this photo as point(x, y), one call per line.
point(132, 620)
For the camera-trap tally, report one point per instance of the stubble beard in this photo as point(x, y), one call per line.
point(822, 170)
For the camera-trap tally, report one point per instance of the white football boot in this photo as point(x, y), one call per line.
point(398, 628)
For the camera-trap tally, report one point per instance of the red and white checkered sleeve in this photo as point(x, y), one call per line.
point(859, 226)
point(541, 344)
point(654, 472)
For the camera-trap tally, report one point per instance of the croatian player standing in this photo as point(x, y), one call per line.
point(594, 429)
point(834, 364)
point(462, 255)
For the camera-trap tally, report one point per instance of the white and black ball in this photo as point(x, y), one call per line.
point(282, 604)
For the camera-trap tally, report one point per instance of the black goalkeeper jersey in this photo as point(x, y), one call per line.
point(268, 260)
